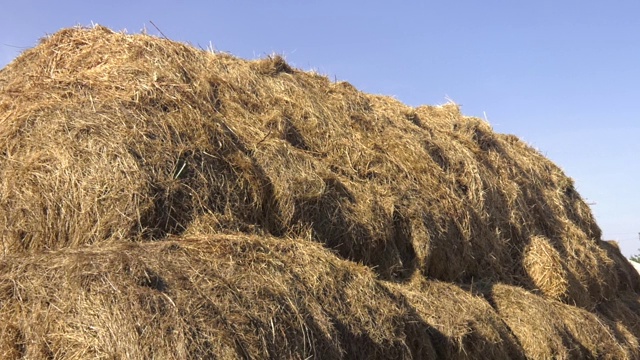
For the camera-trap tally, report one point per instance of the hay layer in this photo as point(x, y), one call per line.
point(230, 296)
point(225, 296)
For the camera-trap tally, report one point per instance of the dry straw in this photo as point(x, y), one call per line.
point(446, 237)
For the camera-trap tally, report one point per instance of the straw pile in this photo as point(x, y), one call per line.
point(160, 201)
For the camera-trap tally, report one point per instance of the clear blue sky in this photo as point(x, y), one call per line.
point(562, 75)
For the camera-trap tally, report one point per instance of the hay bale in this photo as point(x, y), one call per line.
point(550, 275)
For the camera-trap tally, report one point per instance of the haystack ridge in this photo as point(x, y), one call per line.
point(163, 201)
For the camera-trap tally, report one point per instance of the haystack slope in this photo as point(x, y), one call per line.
point(113, 143)
point(107, 136)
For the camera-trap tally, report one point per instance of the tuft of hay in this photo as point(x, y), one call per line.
point(550, 275)
point(157, 200)
point(548, 329)
point(466, 324)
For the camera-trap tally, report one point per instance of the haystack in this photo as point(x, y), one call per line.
point(306, 218)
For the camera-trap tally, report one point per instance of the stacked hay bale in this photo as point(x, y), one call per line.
point(163, 201)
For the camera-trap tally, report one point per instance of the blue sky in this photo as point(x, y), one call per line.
point(562, 75)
